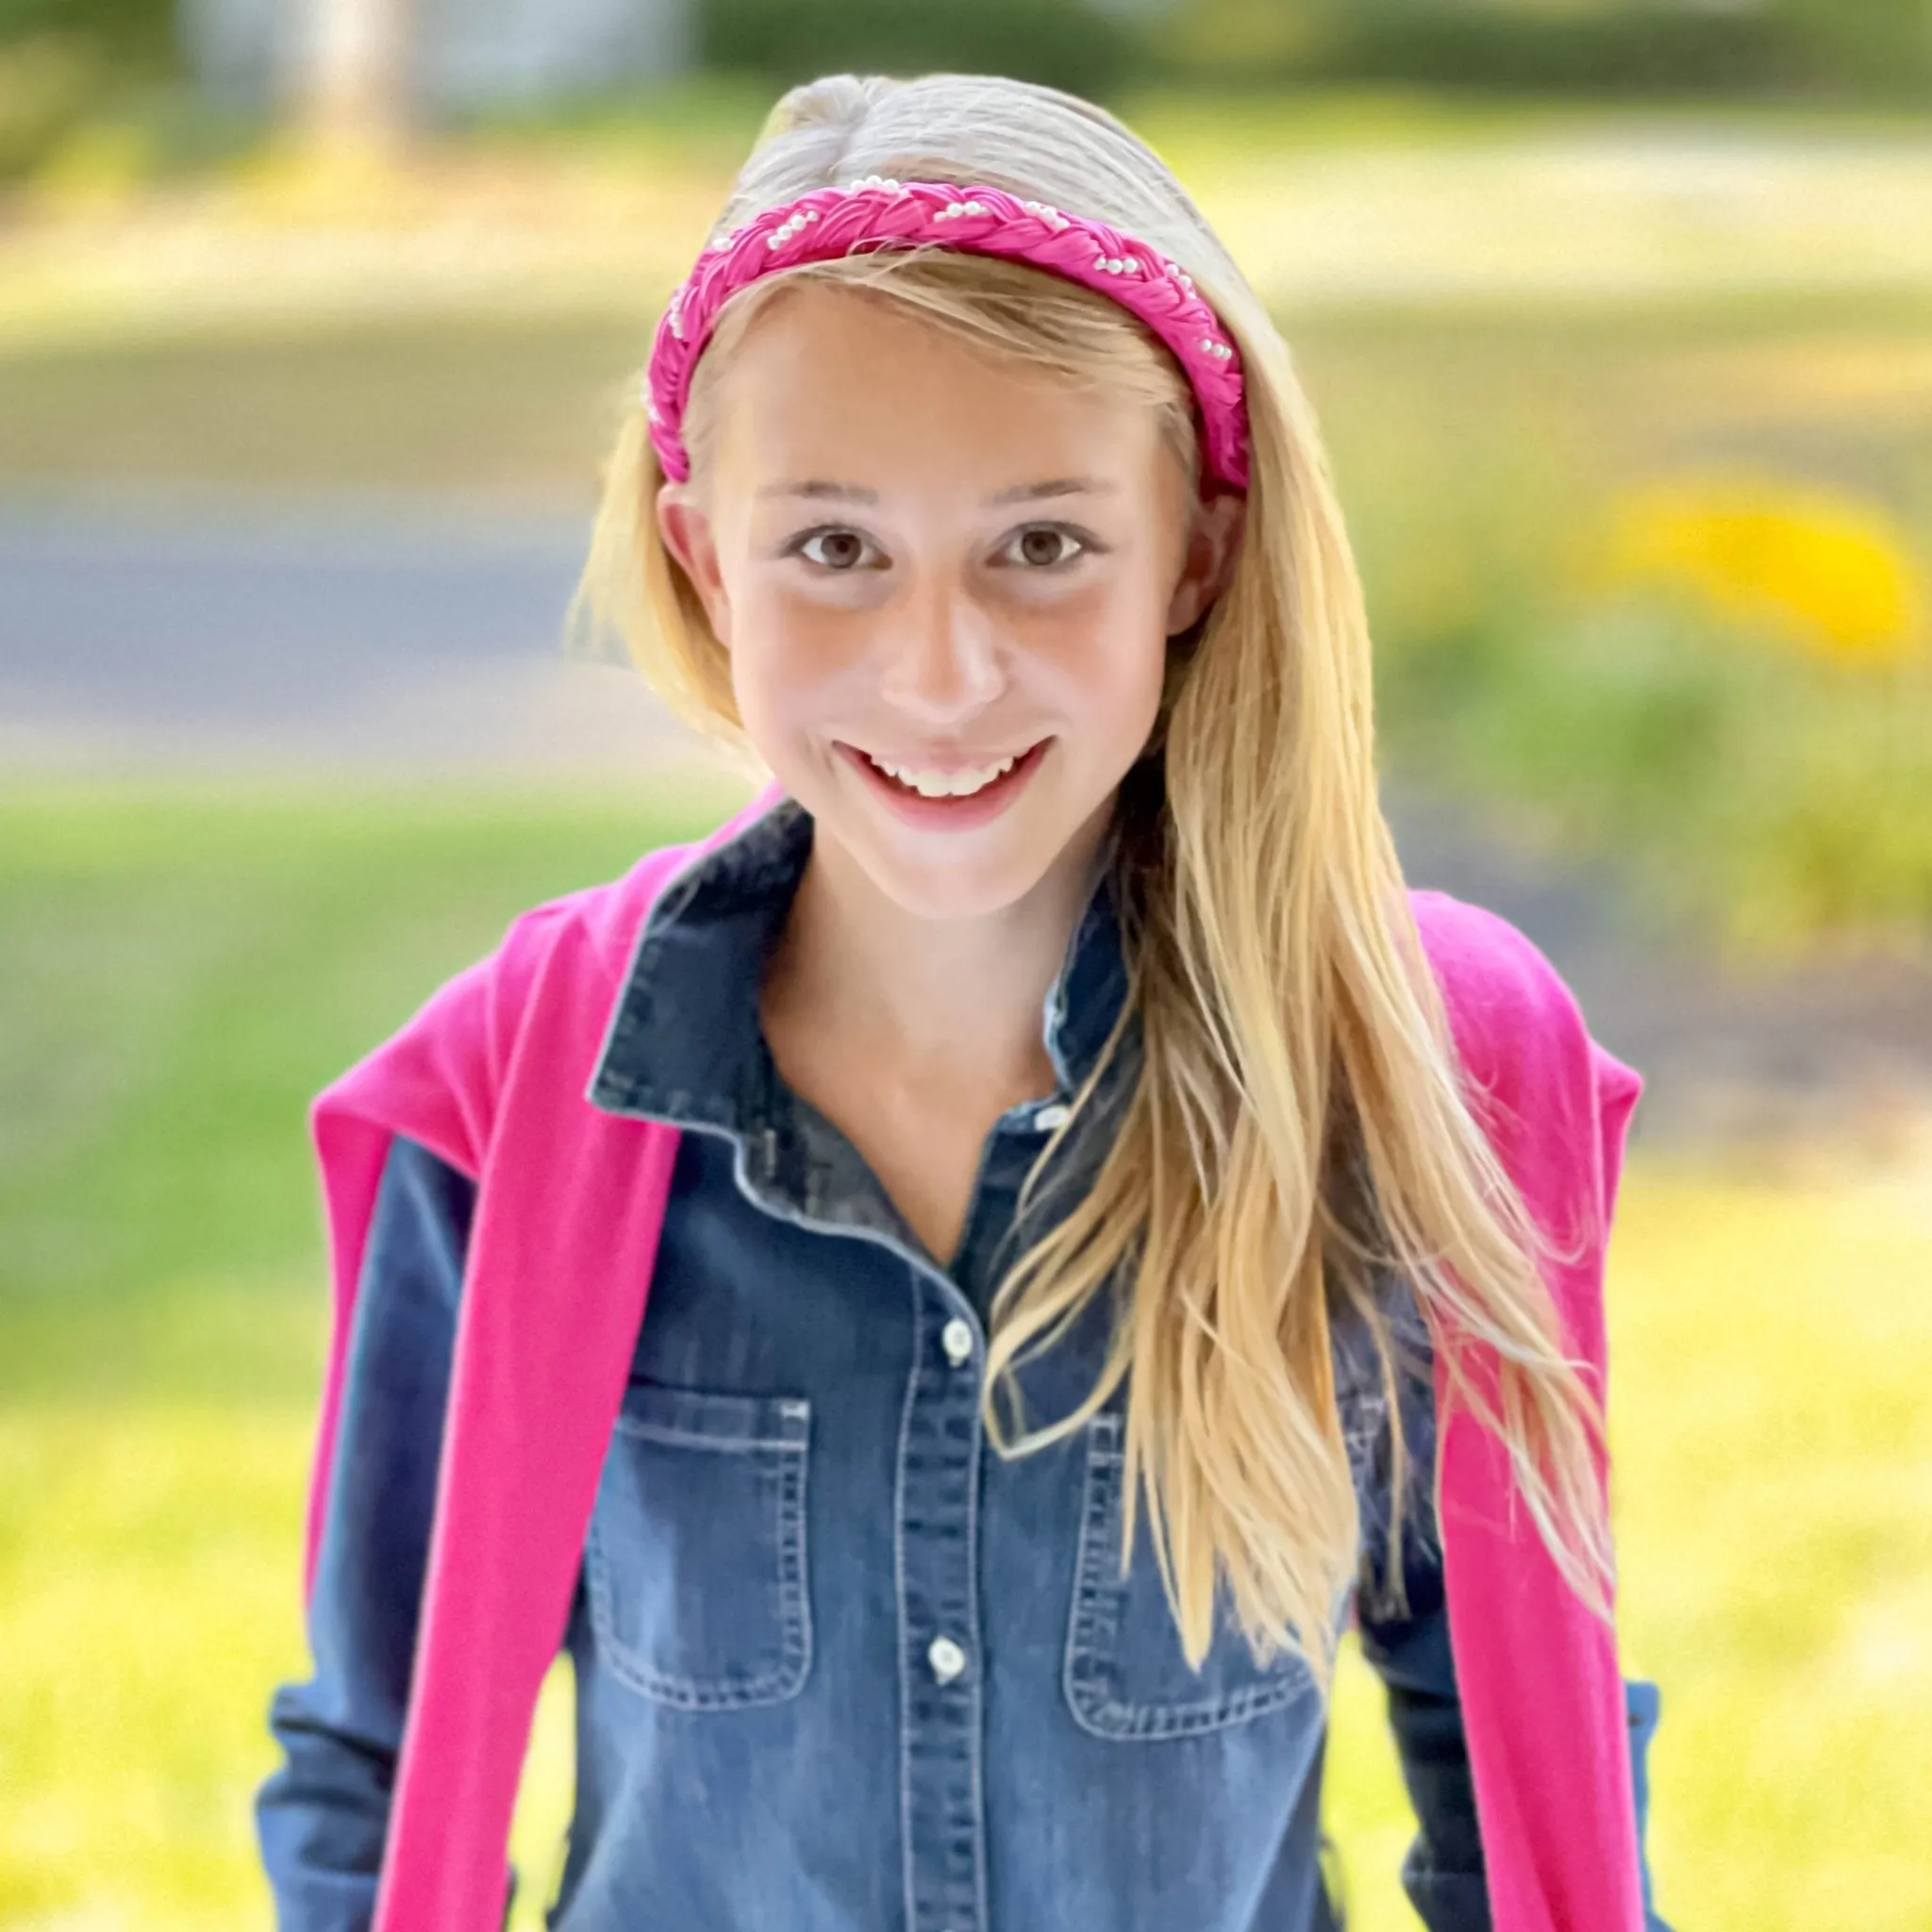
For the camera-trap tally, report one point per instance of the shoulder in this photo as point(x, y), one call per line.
point(597, 928)
point(565, 957)
point(556, 961)
point(1519, 1030)
point(592, 926)
point(439, 1074)
point(1554, 1103)
point(1516, 1019)
point(1502, 992)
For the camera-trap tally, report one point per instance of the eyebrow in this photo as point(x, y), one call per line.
point(821, 489)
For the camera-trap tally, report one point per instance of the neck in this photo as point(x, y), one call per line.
point(954, 1005)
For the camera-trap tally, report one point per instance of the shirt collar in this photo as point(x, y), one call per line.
point(685, 1043)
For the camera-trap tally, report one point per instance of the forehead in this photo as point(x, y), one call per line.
point(835, 380)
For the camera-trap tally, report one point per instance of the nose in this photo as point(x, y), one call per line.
point(944, 662)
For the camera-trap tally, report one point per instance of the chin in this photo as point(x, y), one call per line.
point(927, 895)
point(953, 874)
point(930, 885)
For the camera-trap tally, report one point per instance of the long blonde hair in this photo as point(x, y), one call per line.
point(1298, 1119)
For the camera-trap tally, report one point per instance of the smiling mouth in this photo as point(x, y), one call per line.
point(926, 782)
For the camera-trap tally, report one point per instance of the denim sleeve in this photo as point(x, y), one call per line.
point(321, 1816)
point(1406, 1641)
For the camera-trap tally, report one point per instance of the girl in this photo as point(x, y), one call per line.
point(1101, 1231)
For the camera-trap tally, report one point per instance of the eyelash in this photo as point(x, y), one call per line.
point(1089, 546)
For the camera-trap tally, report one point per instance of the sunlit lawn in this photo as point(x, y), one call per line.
point(183, 970)
point(180, 972)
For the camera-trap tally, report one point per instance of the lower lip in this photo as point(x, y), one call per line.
point(948, 814)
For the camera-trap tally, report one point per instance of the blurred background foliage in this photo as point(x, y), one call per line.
point(64, 63)
point(1646, 524)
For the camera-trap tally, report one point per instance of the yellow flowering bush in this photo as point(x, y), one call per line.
point(1611, 691)
point(1825, 567)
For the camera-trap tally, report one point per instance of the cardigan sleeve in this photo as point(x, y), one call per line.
point(1409, 1649)
point(321, 1815)
point(1546, 1708)
point(1405, 1641)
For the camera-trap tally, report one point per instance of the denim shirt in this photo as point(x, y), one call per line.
point(839, 1665)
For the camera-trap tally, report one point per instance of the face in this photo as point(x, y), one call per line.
point(946, 587)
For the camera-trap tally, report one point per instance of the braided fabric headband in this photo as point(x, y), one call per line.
point(878, 212)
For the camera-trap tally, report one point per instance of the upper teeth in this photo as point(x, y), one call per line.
point(947, 784)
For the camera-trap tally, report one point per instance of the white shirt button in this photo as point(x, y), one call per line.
point(1053, 1117)
point(946, 1658)
point(956, 1338)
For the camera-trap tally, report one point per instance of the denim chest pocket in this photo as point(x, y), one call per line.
point(695, 1559)
point(1127, 1675)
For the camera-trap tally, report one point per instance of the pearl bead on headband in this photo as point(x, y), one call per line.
point(878, 212)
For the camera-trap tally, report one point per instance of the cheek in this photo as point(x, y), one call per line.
point(792, 661)
point(1109, 658)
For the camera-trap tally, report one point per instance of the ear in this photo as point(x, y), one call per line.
point(1213, 538)
point(686, 532)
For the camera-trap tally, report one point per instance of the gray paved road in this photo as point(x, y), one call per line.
point(325, 633)
point(379, 636)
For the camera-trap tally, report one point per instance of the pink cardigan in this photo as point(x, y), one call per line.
point(491, 1075)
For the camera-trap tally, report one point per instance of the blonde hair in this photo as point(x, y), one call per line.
point(1298, 1119)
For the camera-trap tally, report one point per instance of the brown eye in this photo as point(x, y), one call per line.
point(851, 548)
point(1041, 545)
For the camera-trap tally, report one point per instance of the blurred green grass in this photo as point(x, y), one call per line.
point(187, 964)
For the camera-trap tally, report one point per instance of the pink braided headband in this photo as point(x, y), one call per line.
point(878, 211)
